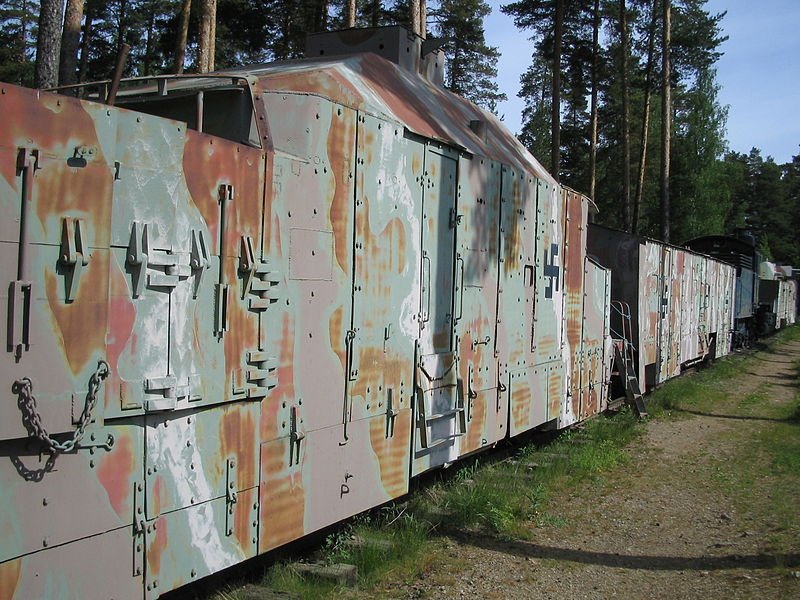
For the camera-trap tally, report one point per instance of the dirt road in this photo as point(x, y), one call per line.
point(706, 508)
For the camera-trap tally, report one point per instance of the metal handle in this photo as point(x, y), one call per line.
point(426, 287)
point(460, 259)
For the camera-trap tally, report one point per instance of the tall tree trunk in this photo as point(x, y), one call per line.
point(212, 55)
point(593, 126)
point(351, 13)
point(555, 119)
point(48, 44)
point(70, 42)
point(183, 36)
point(86, 40)
point(666, 117)
point(626, 126)
point(208, 17)
point(376, 13)
point(413, 8)
point(148, 49)
point(648, 93)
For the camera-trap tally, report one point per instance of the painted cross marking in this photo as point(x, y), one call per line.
point(551, 270)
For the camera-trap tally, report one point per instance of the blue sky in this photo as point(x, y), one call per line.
point(759, 72)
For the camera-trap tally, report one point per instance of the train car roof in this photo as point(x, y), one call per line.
point(370, 83)
point(402, 88)
point(644, 238)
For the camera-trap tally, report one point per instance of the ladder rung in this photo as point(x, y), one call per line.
point(447, 413)
point(447, 440)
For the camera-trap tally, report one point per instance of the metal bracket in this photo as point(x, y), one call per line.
point(220, 308)
point(258, 278)
point(166, 386)
point(139, 529)
point(391, 413)
point(137, 256)
point(247, 263)
point(231, 497)
point(198, 260)
point(19, 315)
point(296, 436)
point(73, 256)
point(262, 375)
point(177, 265)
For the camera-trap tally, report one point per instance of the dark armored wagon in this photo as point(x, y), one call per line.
point(244, 306)
point(679, 303)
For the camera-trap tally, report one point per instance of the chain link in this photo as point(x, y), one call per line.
point(32, 420)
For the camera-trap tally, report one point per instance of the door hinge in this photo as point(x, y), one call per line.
point(261, 374)
point(296, 436)
point(258, 278)
point(231, 497)
point(73, 256)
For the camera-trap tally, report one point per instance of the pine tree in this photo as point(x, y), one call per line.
point(18, 40)
point(471, 66)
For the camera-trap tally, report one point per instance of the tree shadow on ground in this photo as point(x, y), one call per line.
point(631, 561)
point(791, 419)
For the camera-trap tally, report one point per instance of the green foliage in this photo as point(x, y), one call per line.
point(18, 24)
point(471, 66)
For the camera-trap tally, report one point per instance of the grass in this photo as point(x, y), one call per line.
point(511, 497)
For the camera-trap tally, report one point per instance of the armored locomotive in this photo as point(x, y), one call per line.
point(247, 305)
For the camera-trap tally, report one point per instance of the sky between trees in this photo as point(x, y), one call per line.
point(644, 136)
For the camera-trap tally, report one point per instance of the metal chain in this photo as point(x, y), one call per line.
point(32, 420)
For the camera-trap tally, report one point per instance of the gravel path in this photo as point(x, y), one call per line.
point(663, 526)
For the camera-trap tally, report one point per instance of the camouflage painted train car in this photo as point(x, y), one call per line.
point(679, 303)
point(244, 306)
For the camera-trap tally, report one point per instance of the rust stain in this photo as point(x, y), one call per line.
point(114, 473)
point(120, 328)
point(284, 391)
point(242, 526)
point(282, 497)
point(81, 324)
point(336, 332)
point(238, 436)
point(9, 578)
point(392, 452)
point(521, 402)
point(57, 126)
point(161, 496)
point(341, 142)
point(157, 546)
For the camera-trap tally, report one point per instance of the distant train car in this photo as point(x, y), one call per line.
point(739, 251)
point(246, 305)
point(680, 303)
point(777, 297)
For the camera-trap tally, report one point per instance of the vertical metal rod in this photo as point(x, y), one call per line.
point(28, 166)
point(121, 60)
point(200, 109)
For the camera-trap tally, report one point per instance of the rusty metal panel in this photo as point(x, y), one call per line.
point(649, 311)
point(576, 217)
point(439, 407)
point(184, 545)
point(56, 188)
point(475, 321)
point(386, 301)
point(191, 458)
point(100, 566)
point(525, 389)
point(549, 334)
point(52, 500)
point(595, 339)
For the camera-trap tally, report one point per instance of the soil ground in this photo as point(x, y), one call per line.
point(707, 507)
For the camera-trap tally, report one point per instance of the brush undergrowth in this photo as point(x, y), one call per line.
point(507, 498)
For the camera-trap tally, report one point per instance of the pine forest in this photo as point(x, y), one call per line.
point(621, 97)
